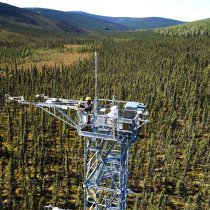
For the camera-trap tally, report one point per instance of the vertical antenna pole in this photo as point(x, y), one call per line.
point(96, 75)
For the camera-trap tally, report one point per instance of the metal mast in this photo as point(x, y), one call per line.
point(96, 75)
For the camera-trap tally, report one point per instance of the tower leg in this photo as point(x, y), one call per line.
point(105, 174)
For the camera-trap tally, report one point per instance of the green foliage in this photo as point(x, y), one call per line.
point(196, 28)
point(42, 159)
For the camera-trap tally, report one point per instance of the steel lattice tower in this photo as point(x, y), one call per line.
point(108, 131)
point(106, 153)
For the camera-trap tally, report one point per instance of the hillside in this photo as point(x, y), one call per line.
point(18, 19)
point(137, 23)
point(81, 20)
point(196, 28)
point(13, 18)
point(92, 22)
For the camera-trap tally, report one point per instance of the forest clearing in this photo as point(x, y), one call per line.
point(67, 55)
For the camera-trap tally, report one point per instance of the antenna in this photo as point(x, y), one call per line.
point(96, 75)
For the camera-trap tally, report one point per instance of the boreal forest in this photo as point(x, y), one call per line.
point(41, 158)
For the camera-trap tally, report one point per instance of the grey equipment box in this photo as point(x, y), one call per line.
point(130, 112)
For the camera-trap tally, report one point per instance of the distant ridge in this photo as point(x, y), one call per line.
point(137, 23)
point(13, 18)
point(91, 22)
point(19, 19)
point(82, 20)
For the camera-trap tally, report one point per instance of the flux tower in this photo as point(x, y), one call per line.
point(108, 131)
